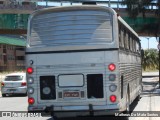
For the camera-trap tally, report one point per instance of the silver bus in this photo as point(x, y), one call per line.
point(81, 60)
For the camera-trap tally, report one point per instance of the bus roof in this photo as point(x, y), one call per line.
point(123, 22)
point(76, 7)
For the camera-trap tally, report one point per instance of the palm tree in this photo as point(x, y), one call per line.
point(134, 8)
point(150, 60)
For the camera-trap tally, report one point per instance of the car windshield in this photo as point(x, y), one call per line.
point(13, 78)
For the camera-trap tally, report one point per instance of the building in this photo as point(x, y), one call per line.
point(12, 54)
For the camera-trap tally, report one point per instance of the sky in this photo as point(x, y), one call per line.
point(151, 40)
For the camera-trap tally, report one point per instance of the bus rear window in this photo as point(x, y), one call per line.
point(13, 78)
point(65, 28)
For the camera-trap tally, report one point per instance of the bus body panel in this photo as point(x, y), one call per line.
point(76, 63)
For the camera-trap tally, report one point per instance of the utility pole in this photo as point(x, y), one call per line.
point(118, 5)
point(109, 3)
point(148, 42)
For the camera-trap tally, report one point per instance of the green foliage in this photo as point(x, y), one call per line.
point(135, 7)
point(150, 59)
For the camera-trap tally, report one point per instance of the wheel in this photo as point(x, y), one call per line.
point(53, 117)
point(138, 98)
point(139, 93)
point(3, 95)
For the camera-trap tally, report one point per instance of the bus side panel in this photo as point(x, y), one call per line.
point(130, 76)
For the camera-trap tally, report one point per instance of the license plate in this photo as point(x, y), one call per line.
point(12, 90)
point(71, 95)
point(9, 85)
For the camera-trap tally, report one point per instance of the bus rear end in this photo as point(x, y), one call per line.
point(72, 61)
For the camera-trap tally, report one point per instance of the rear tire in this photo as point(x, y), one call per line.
point(138, 98)
point(53, 117)
point(3, 95)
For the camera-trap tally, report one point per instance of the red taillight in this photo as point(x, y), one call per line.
point(30, 100)
point(2, 84)
point(112, 67)
point(113, 98)
point(30, 70)
point(23, 84)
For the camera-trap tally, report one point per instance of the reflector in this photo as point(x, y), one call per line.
point(2, 84)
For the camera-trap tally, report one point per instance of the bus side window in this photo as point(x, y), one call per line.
point(122, 37)
point(133, 44)
point(127, 40)
point(130, 41)
point(137, 47)
point(120, 40)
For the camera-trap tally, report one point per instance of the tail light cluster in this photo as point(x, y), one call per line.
point(23, 84)
point(111, 67)
point(112, 77)
point(2, 84)
point(30, 81)
point(29, 70)
point(31, 100)
point(113, 98)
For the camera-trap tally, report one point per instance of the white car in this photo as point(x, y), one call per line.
point(14, 83)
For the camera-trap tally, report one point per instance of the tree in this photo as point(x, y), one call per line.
point(136, 7)
point(150, 59)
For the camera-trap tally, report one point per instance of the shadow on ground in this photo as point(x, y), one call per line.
point(94, 118)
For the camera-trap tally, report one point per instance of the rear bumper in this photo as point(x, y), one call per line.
point(74, 111)
point(19, 90)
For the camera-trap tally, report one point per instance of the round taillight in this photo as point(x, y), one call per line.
point(29, 70)
point(111, 67)
point(30, 80)
point(113, 98)
point(112, 77)
point(31, 62)
point(30, 90)
point(30, 100)
point(113, 88)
